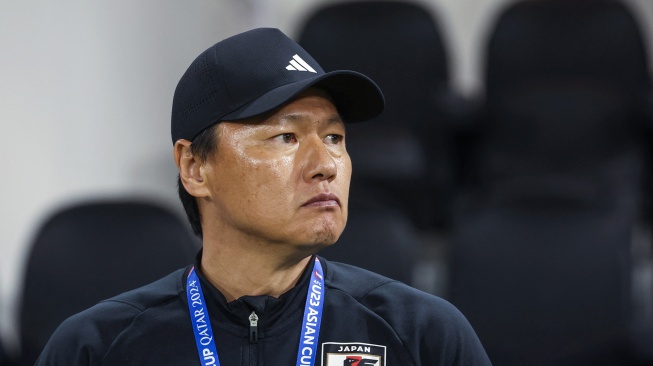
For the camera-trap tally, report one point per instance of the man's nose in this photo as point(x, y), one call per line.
point(319, 162)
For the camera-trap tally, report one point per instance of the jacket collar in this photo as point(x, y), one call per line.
point(270, 310)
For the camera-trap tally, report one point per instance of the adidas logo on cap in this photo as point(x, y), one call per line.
point(298, 64)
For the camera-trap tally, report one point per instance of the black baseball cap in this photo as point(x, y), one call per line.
point(257, 71)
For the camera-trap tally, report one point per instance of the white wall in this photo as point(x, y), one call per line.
point(85, 98)
point(86, 90)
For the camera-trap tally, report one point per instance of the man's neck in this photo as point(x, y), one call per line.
point(237, 273)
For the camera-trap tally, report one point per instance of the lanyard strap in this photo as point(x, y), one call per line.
point(308, 339)
point(312, 317)
point(199, 316)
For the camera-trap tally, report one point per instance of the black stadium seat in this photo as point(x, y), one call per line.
point(542, 235)
point(92, 251)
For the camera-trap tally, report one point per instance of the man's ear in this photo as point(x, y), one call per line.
point(190, 169)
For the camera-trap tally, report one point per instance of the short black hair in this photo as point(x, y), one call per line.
point(202, 146)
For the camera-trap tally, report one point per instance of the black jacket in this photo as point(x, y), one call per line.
point(366, 317)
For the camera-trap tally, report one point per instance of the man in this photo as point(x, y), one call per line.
point(259, 139)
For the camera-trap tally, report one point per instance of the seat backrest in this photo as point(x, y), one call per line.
point(565, 85)
point(93, 251)
point(536, 40)
point(541, 253)
point(5, 360)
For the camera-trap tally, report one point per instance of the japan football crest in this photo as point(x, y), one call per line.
point(352, 354)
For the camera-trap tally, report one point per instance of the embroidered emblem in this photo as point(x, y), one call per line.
point(352, 354)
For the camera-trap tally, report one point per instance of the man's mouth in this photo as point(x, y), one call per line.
point(323, 200)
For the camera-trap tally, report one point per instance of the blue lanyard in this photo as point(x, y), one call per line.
point(199, 316)
point(312, 319)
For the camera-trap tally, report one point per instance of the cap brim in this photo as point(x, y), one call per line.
point(356, 96)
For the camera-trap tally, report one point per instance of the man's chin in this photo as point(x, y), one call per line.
point(316, 236)
point(319, 242)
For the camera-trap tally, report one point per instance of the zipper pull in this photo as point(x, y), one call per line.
point(253, 327)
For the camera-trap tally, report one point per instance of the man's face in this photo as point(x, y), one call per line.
point(281, 179)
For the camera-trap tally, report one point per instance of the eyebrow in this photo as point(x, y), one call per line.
point(298, 117)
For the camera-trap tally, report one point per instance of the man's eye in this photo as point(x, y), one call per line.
point(334, 139)
point(287, 137)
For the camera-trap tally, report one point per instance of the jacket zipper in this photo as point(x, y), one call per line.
point(253, 327)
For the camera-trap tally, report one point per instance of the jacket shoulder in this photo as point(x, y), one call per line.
point(152, 294)
point(353, 280)
point(371, 290)
point(431, 328)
